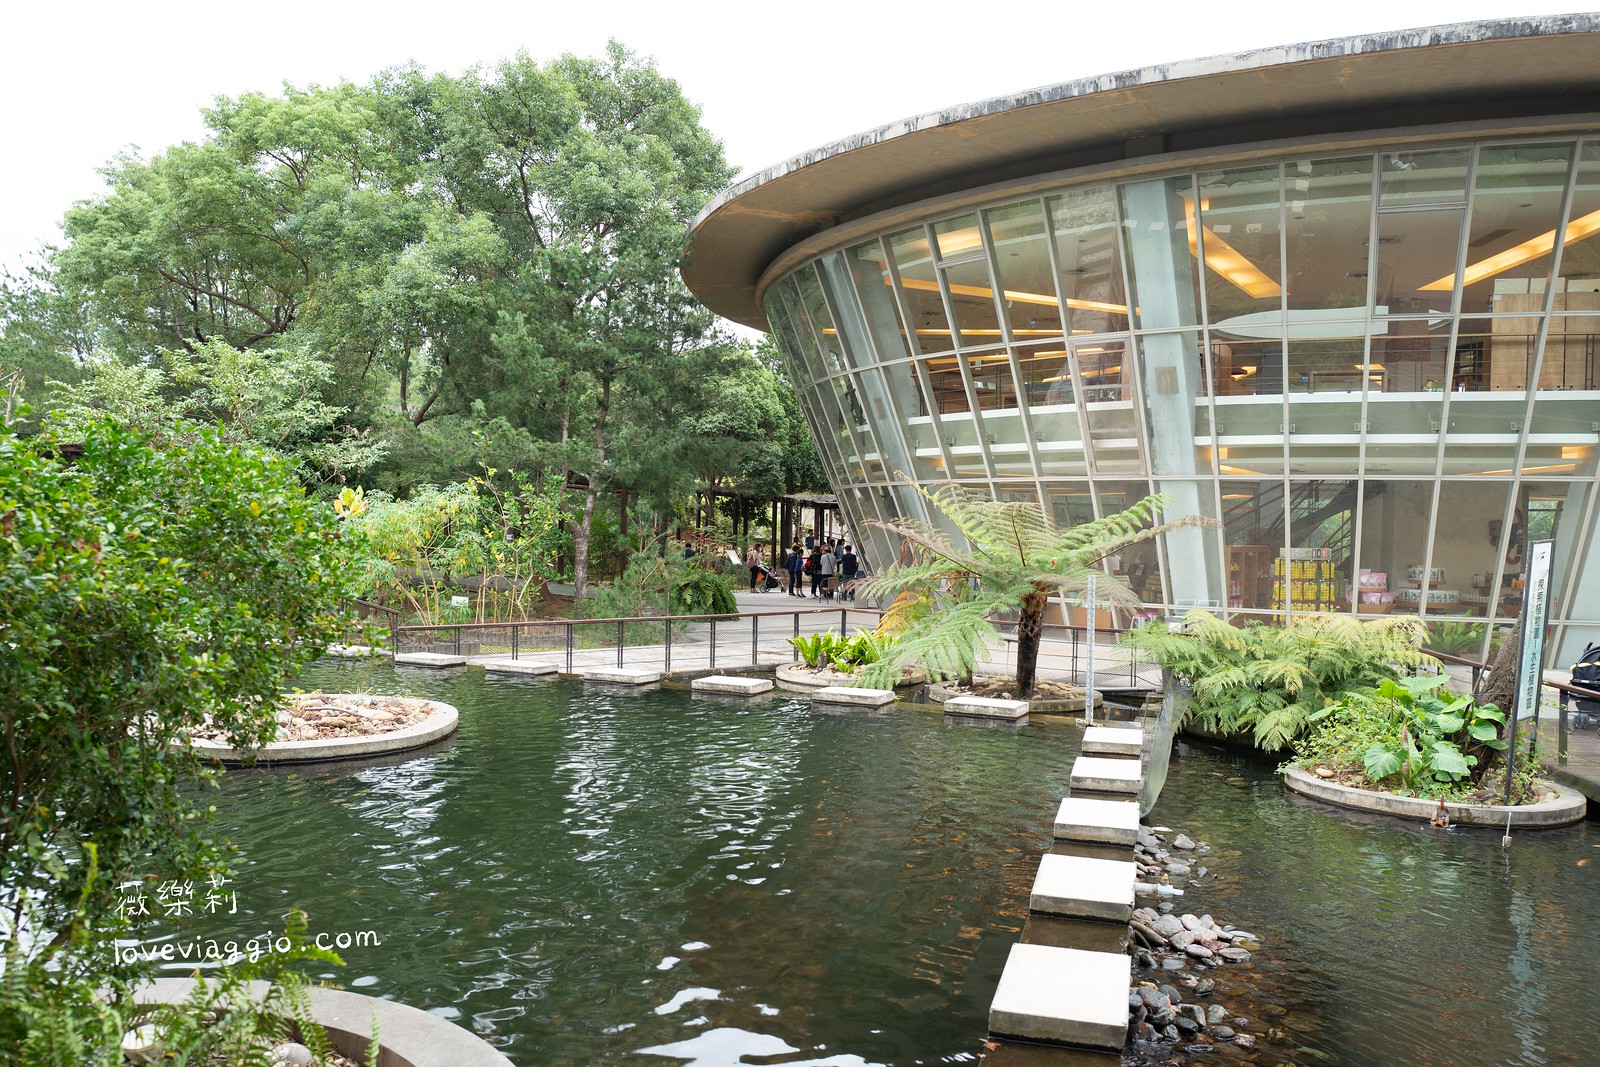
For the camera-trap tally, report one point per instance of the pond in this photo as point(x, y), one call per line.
point(584, 874)
point(1389, 942)
point(595, 876)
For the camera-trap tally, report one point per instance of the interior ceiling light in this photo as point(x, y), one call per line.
point(955, 242)
point(1225, 259)
point(1517, 255)
point(927, 286)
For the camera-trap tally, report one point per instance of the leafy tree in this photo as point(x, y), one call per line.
point(44, 332)
point(1014, 559)
point(1270, 681)
point(145, 589)
point(271, 399)
point(484, 265)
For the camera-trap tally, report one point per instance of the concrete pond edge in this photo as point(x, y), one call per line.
point(407, 1036)
point(1568, 807)
point(440, 723)
point(797, 678)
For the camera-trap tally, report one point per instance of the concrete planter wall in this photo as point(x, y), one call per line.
point(799, 680)
point(1568, 807)
point(407, 1036)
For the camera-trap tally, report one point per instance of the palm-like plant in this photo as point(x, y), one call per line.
point(1015, 558)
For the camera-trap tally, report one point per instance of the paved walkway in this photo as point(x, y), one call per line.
point(758, 638)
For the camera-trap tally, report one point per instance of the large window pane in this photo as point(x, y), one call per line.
point(1415, 250)
point(867, 268)
point(1108, 400)
point(1572, 346)
point(1394, 535)
point(1022, 259)
point(991, 379)
point(828, 341)
point(784, 331)
point(1580, 256)
point(949, 390)
point(1329, 205)
point(1467, 548)
point(1511, 344)
point(1412, 179)
point(1239, 234)
point(919, 291)
point(1089, 254)
point(1162, 241)
point(1177, 415)
point(1140, 564)
point(1516, 207)
point(1253, 527)
point(1321, 546)
point(972, 299)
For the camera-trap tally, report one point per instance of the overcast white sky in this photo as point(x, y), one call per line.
point(84, 81)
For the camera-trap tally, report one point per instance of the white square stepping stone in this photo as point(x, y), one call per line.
point(430, 659)
point(986, 708)
point(619, 675)
point(728, 683)
point(1110, 822)
point(1065, 996)
point(1098, 774)
point(1113, 741)
point(860, 698)
point(518, 666)
point(1082, 888)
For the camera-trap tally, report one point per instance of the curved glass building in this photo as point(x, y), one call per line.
point(1343, 297)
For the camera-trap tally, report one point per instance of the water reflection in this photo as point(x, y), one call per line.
point(588, 873)
point(1388, 943)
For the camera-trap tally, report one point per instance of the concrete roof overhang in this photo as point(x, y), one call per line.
point(1499, 72)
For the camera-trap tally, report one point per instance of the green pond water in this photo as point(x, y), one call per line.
point(596, 876)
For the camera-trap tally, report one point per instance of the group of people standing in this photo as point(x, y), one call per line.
point(831, 564)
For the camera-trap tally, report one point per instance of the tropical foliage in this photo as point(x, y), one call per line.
point(409, 281)
point(1409, 735)
point(654, 583)
point(500, 538)
point(1011, 558)
point(1268, 682)
point(145, 589)
point(828, 650)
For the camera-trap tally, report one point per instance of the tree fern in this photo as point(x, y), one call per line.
point(1009, 557)
point(1268, 682)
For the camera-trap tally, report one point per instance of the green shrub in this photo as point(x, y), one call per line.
point(697, 590)
point(1455, 638)
point(1425, 740)
point(1267, 681)
point(828, 649)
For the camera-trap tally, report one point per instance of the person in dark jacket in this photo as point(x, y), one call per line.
point(849, 567)
point(814, 569)
point(794, 564)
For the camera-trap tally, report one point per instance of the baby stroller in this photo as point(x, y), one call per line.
point(1586, 675)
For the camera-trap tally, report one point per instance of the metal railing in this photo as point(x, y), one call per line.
point(744, 639)
point(1565, 692)
point(694, 641)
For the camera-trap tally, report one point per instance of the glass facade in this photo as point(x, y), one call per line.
point(1376, 368)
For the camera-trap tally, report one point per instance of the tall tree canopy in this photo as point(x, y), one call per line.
point(485, 264)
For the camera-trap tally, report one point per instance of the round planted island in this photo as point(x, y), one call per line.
point(339, 726)
point(1558, 805)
